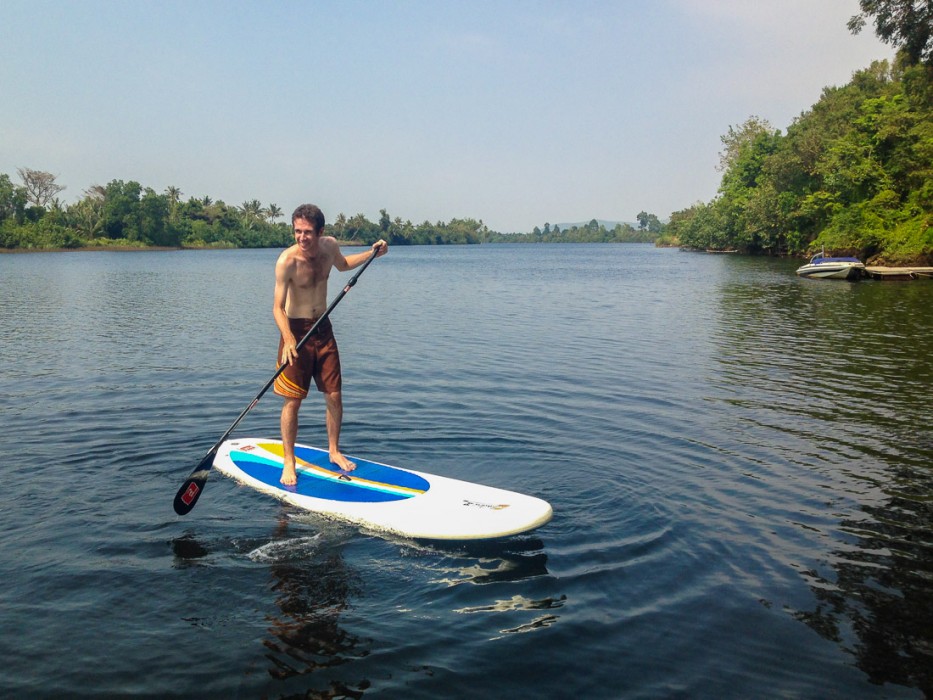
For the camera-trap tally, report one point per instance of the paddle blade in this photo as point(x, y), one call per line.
point(191, 489)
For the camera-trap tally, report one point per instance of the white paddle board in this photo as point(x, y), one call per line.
point(383, 498)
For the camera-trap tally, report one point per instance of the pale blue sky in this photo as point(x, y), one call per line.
point(516, 112)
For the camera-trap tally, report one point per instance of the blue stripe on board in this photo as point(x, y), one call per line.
point(269, 472)
point(366, 470)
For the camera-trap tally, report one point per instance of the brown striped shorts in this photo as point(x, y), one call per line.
point(318, 359)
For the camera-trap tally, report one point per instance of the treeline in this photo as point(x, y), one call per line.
point(125, 214)
point(854, 174)
point(397, 232)
point(649, 228)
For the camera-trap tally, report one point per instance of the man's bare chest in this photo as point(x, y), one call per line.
point(309, 274)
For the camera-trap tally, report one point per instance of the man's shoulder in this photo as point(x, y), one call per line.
point(288, 256)
point(330, 247)
point(289, 252)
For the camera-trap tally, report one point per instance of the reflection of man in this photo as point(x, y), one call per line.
point(311, 593)
point(300, 298)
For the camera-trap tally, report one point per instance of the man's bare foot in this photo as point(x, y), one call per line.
point(289, 477)
point(342, 462)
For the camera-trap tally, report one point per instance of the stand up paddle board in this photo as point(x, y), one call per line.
point(379, 497)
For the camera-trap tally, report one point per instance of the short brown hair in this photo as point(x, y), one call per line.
point(311, 214)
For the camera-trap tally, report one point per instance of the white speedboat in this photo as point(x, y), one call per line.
point(821, 267)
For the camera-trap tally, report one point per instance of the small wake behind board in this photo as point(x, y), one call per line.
point(380, 497)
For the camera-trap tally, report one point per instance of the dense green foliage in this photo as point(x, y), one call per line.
point(593, 232)
point(853, 174)
point(360, 229)
point(124, 214)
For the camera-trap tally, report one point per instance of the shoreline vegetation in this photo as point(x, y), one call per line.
point(853, 175)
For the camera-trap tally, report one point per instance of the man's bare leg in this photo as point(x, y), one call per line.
point(334, 421)
point(289, 423)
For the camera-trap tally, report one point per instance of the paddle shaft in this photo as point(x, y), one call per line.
point(193, 486)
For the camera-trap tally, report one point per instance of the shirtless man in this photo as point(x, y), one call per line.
point(300, 298)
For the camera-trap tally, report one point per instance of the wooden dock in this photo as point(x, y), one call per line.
point(898, 273)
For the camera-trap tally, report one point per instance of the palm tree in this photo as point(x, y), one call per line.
point(251, 211)
point(96, 192)
point(273, 212)
point(174, 195)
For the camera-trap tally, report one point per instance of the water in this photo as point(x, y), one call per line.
point(739, 463)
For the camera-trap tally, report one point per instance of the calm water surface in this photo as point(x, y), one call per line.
point(740, 464)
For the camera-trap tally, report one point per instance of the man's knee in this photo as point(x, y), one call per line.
point(291, 406)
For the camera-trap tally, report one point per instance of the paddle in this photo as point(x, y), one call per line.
point(191, 489)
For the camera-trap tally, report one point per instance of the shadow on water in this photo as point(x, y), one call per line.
point(312, 587)
point(310, 644)
point(858, 429)
point(311, 594)
point(188, 550)
point(882, 592)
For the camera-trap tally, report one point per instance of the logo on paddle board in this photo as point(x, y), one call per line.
point(477, 504)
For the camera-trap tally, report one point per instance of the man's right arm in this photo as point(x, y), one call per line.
point(279, 297)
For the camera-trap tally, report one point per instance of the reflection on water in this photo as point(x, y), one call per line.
point(313, 589)
point(311, 593)
point(883, 591)
point(859, 426)
point(489, 562)
point(519, 602)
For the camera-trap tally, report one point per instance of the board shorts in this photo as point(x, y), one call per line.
point(317, 359)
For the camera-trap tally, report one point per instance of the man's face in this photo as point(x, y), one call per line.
point(305, 235)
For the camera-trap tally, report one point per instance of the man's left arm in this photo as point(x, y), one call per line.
point(349, 262)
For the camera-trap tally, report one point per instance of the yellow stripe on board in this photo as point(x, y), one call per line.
point(277, 449)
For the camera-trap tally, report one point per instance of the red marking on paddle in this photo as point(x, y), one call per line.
point(190, 494)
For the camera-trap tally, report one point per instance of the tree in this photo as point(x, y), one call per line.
point(40, 186)
point(737, 138)
point(87, 217)
point(384, 221)
point(251, 212)
point(174, 196)
point(122, 215)
point(12, 200)
point(905, 24)
point(273, 212)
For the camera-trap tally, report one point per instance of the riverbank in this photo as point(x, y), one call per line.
point(147, 248)
point(109, 248)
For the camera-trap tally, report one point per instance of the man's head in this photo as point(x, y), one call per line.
point(312, 214)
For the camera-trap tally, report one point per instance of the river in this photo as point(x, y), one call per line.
point(740, 464)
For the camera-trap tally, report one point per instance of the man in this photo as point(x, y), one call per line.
point(300, 298)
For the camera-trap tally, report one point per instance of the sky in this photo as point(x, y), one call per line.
point(514, 112)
